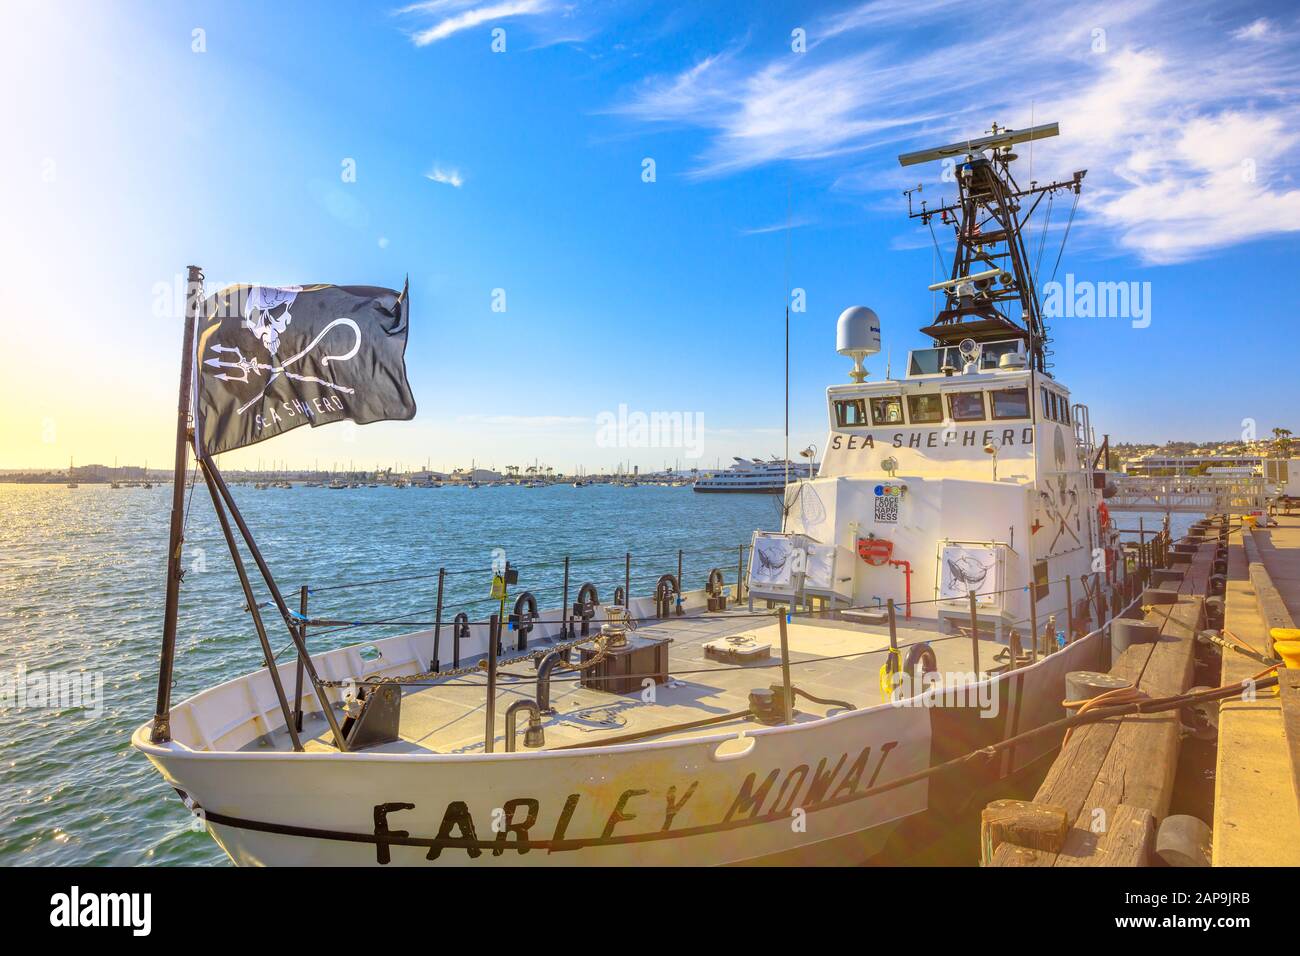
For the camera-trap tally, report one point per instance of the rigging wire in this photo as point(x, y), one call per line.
point(1074, 206)
point(1042, 238)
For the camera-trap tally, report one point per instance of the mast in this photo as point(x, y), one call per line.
point(991, 292)
point(162, 713)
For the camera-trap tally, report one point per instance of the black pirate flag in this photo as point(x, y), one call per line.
point(272, 358)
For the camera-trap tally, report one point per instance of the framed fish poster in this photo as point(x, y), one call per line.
point(970, 567)
point(772, 561)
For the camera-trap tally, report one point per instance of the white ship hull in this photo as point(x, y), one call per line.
point(793, 794)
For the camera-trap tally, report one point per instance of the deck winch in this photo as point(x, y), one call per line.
point(624, 661)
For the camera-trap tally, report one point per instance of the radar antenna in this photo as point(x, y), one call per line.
point(990, 292)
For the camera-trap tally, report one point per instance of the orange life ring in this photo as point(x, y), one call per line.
point(1103, 514)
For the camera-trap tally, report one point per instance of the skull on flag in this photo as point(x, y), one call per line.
point(266, 313)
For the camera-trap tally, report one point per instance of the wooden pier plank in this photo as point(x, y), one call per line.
point(1139, 768)
point(1115, 778)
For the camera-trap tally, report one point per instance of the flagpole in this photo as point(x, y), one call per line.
point(161, 732)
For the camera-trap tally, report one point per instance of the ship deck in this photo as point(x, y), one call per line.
point(830, 659)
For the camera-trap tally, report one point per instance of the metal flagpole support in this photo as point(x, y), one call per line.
point(974, 634)
point(289, 619)
point(289, 717)
point(161, 732)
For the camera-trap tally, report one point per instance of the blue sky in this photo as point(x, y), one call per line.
point(522, 170)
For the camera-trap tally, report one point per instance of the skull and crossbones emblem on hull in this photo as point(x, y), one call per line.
point(1064, 505)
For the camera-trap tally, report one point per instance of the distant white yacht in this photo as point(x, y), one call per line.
point(757, 476)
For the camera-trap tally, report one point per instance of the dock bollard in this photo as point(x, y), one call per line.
point(1125, 633)
point(1085, 685)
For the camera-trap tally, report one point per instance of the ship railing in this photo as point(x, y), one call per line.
point(1126, 578)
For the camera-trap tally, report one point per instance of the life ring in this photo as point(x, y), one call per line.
point(875, 551)
point(1103, 515)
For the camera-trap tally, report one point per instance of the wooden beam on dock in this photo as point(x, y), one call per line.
point(1035, 826)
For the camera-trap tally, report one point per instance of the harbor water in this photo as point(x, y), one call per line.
point(81, 590)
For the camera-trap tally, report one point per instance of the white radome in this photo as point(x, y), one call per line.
point(857, 335)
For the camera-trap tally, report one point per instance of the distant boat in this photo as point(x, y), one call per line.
point(757, 476)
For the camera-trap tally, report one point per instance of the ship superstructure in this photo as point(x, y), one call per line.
point(974, 472)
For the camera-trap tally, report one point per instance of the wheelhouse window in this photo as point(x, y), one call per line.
point(992, 353)
point(966, 406)
point(932, 361)
point(850, 412)
point(1054, 408)
point(924, 409)
point(887, 410)
point(1010, 403)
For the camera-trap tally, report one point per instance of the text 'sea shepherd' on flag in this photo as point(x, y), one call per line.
point(273, 358)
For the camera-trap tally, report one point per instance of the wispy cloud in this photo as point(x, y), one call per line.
point(795, 222)
point(1185, 133)
point(449, 177)
point(1257, 30)
point(453, 16)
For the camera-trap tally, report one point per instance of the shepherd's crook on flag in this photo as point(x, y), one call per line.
point(273, 358)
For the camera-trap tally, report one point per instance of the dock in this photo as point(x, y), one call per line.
point(1257, 781)
point(1110, 788)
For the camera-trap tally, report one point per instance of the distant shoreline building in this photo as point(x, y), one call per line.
point(1157, 465)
